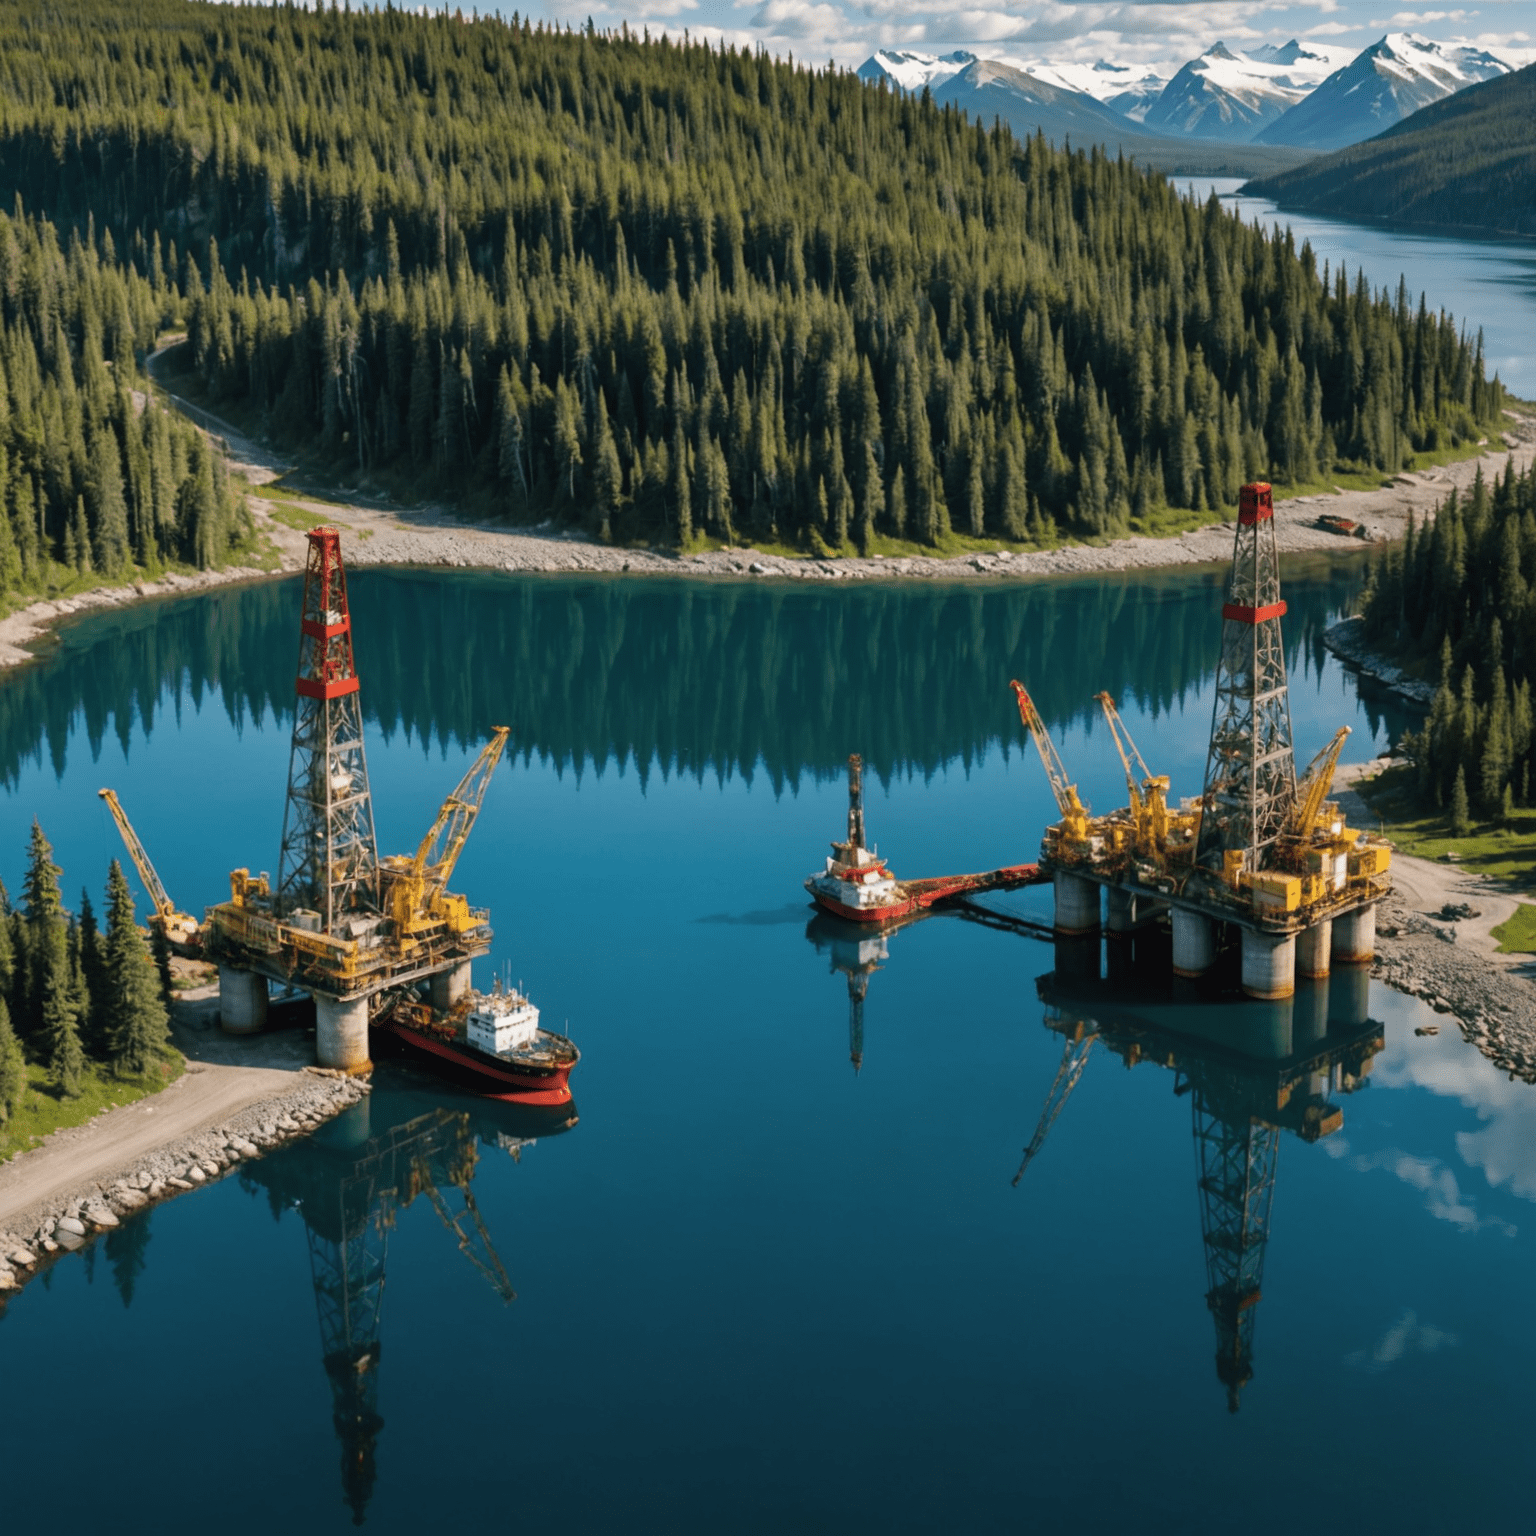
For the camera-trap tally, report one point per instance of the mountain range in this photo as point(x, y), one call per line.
point(1297, 97)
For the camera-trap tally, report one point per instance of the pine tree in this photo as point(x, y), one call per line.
point(137, 1025)
point(1461, 812)
point(13, 1066)
point(56, 1017)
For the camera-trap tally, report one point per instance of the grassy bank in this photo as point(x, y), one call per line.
point(44, 1110)
point(1497, 849)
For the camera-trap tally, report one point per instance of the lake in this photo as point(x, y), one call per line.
point(1486, 284)
point(756, 1289)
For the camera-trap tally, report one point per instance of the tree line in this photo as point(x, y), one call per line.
point(1459, 599)
point(71, 994)
point(658, 290)
point(96, 478)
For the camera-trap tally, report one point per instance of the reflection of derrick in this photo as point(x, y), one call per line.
point(349, 1196)
point(1237, 1188)
point(855, 952)
point(1252, 1070)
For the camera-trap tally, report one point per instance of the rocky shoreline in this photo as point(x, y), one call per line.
point(1346, 640)
point(45, 1232)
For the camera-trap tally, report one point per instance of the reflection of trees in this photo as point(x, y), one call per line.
point(690, 676)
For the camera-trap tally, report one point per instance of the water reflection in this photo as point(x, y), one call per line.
point(693, 678)
point(349, 1182)
point(1251, 1070)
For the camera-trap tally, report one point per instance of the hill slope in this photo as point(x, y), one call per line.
point(1468, 162)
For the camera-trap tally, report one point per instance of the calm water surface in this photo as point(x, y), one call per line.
point(1487, 284)
point(755, 1290)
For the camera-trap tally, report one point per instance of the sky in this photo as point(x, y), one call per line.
point(848, 31)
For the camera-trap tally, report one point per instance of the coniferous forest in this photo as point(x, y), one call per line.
point(652, 290)
point(1460, 596)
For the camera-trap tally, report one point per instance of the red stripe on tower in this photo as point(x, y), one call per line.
point(1246, 615)
point(1255, 503)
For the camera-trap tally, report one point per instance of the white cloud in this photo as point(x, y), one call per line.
point(1443, 1198)
point(1407, 1336)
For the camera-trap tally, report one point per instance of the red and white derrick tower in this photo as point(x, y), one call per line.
point(1250, 772)
point(329, 863)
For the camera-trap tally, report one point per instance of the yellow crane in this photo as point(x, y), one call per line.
point(1074, 814)
point(1149, 800)
point(414, 888)
point(1315, 783)
point(181, 929)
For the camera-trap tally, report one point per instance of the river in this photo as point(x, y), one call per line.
point(755, 1289)
point(1487, 284)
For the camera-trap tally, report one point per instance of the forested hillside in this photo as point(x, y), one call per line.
point(94, 477)
point(1468, 162)
point(656, 290)
point(1461, 595)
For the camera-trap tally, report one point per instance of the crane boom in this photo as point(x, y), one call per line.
point(1074, 1057)
point(1125, 747)
point(1067, 801)
point(158, 896)
point(1315, 784)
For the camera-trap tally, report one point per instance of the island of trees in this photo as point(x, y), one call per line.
point(651, 290)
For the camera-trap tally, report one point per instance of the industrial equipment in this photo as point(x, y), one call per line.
point(182, 931)
point(413, 891)
point(1072, 832)
point(1156, 833)
point(1075, 1047)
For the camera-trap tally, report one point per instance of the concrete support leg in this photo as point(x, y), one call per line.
point(1077, 904)
point(341, 1033)
point(1194, 943)
point(1314, 949)
point(449, 986)
point(1269, 964)
point(1123, 915)
point(242, 1001)
point(1354, 937)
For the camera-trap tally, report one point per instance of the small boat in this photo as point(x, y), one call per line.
point(856, 883)
point(489, 1041)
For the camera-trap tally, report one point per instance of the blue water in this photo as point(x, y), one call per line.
point(754, 1289)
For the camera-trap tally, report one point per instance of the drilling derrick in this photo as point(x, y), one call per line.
point(329, 860)
point(1250, 774)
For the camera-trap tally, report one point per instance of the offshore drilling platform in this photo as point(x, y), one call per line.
point(362, 935)
point(1259, 857)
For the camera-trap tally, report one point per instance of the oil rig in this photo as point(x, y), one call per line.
point(1260, 860)
point(359, 933)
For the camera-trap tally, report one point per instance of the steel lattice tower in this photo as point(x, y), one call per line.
point(329, 860)
point(1250, 772)
point(1237, 1189)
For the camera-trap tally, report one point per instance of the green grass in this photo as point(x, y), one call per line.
point(1491, 848)
point(294, 517)
point(43, 1110)
point(1517, 936)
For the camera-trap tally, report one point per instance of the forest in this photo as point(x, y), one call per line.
point(1466, 163)
point(1460, 595)
point(662, 291)
point(73, 996)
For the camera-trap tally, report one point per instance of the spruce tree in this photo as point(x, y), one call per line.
point(1461, 812)
point(56, 1016)
point(13, 1066)
point(137, 1026)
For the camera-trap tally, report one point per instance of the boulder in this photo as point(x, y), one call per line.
point(210, 1168)
point(70, 1224)
point(131, 1200)
point(68, 1241)
point(196, 1175)
point(23, 1257)
point(156, 1189)
point(178, 1184)
point(101, 1216)
point(7, 1280)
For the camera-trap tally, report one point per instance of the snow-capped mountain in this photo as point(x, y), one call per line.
point(912, 71)
point(1384, 84)
point(1229, 95)
point(1129, 88)
point(989, 89)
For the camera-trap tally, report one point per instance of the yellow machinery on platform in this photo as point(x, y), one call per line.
point(182, 931)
